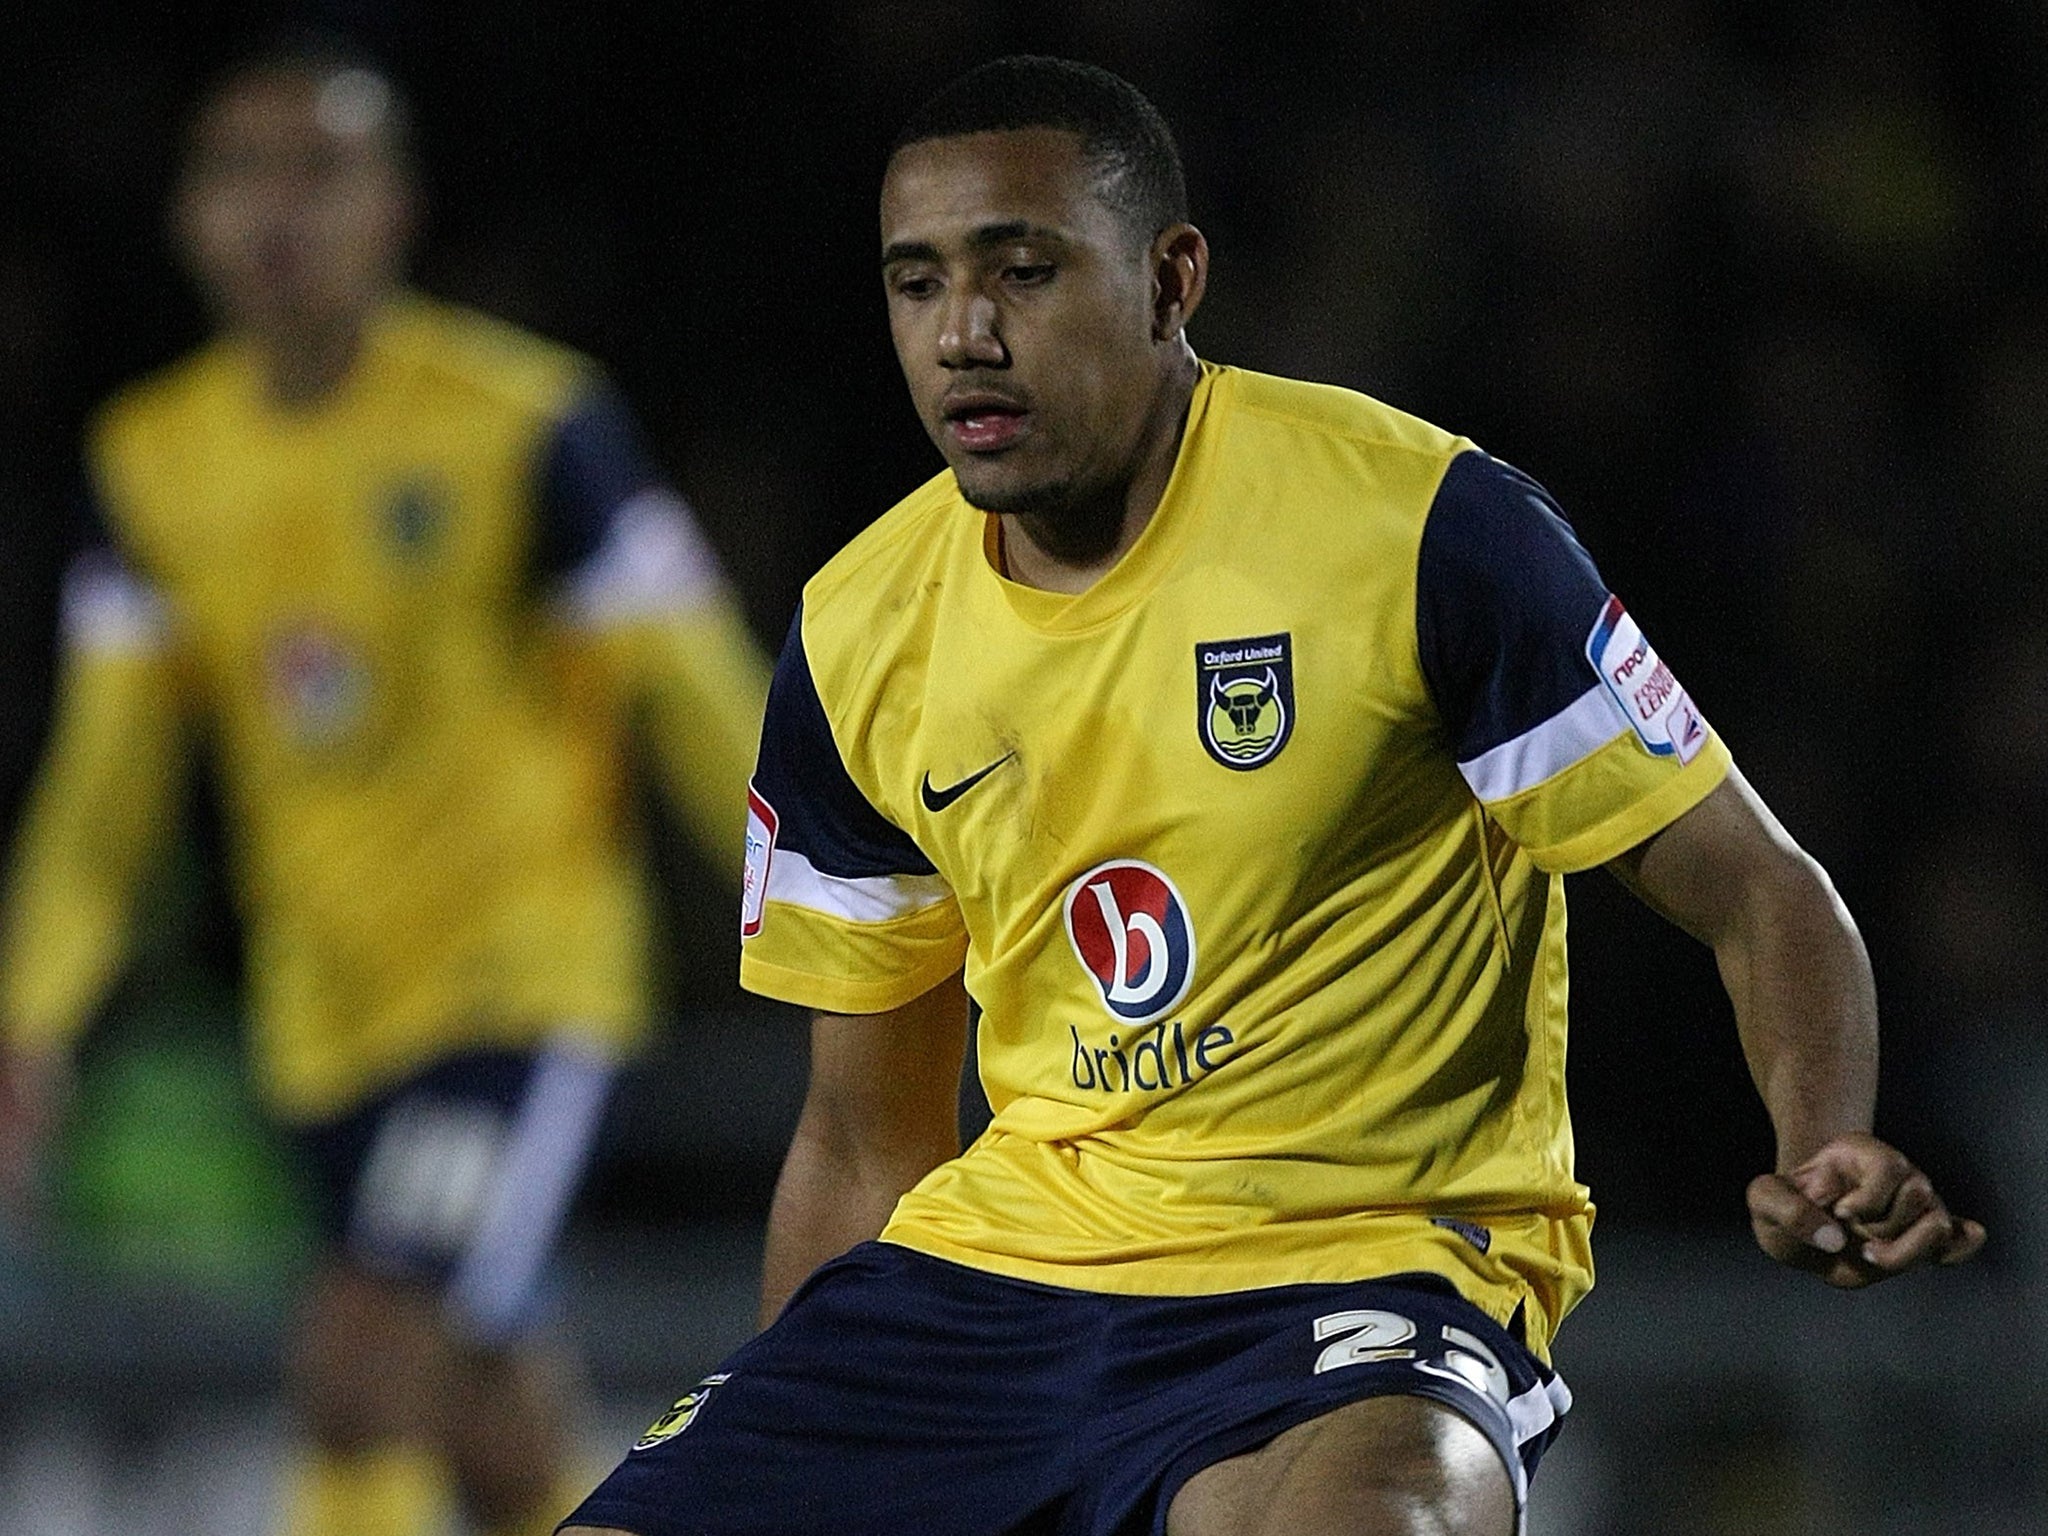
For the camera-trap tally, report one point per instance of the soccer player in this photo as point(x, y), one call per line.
point(1225, 739)
point(407, 569)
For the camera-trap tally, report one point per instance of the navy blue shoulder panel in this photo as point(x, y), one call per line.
point(1505, 597)
point(93, 537)
point(819, 811)
point(90, 527)
point(593, 464)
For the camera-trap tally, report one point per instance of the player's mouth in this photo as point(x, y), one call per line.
point(981, 421)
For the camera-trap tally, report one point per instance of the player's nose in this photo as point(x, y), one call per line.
point(969, 336)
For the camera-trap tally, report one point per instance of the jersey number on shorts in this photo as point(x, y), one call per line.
point(1360, 1338)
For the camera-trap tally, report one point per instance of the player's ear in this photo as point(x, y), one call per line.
point(407, 212)
point(181, 224)
point(1180, 276)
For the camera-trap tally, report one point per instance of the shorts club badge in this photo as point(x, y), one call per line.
point(682, 1415)
point(1244, 699)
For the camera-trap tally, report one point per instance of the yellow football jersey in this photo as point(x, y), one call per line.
point(1253, 853)
point(408, 617)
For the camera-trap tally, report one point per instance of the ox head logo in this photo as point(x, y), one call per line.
point(683, 1414)
point(1246, 700)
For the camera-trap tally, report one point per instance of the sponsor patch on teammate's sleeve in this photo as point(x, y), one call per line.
point(1658, 709)
point(761, 825)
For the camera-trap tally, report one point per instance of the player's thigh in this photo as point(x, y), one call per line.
point(459, 1177)
point(896, 1393)
point(505, 1415)
point(367, 1356)
point(1384, 1466)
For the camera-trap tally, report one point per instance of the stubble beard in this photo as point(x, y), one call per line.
point(1073, 523)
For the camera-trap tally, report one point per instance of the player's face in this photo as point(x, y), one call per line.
point(293, 212)
point(1022, 308)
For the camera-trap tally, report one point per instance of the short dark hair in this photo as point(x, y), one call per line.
point(316, 53)
point(1121, 132)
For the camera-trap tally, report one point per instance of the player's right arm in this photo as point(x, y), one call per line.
point(843, 914)
point(880, 1113)
point(102, 805)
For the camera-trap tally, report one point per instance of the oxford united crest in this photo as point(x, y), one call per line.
point(1244, 698)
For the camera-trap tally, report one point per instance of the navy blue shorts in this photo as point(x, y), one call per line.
point(459, 1178)
point(900, 1393)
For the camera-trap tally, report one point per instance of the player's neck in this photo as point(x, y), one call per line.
point(1035, 550)
point(305, 363)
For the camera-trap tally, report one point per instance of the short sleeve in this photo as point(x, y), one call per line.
point(108, 604)
point(1569, 728)
point(611, 535)
point(841, 910)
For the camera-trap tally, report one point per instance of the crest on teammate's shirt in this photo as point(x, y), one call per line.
point(1244, 698)
point(415, 515)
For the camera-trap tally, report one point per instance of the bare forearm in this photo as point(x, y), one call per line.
point(829, 1197)
point(1841, 1203)
point(1789, 955)
point(1799, 979)
point(879, 1115)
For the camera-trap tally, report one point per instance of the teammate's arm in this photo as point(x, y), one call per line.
point(647, 607)
point(880, 1113)
point(103, 803)
point(1840, 1202)
point(693, 682)
point(699, 681)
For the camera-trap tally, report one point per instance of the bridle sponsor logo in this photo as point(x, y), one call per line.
point(1130, 931)
point(1148, 1059)
point(319, 683)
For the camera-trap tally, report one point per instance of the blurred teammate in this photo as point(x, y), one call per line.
point(1236, 733)
point(407, 569)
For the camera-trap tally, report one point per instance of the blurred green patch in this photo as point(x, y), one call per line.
point(166, 1171)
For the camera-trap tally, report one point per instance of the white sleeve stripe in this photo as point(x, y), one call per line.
point(794, 881)
point(654, 560)
point(106, 607)
point(1571, 735)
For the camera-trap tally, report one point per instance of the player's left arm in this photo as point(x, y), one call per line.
point(1840, 1202)
point(646, 604)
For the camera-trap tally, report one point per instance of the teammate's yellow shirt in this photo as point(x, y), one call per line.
point(1253, 853)
point(406, 618)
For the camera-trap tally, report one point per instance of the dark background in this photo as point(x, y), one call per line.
point(1755, 288)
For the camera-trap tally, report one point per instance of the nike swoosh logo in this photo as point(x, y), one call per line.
point(936, 800)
